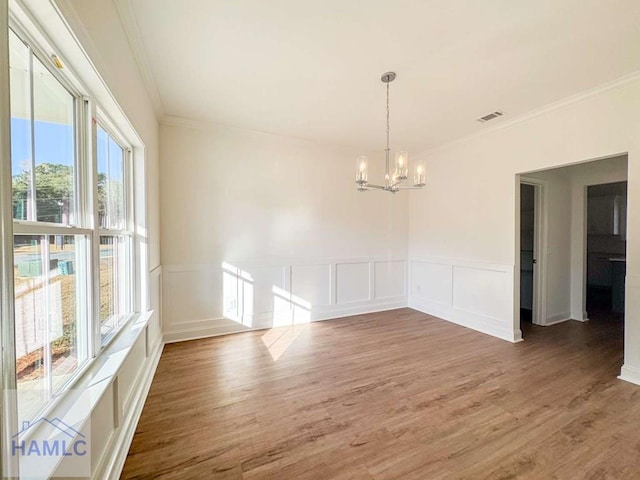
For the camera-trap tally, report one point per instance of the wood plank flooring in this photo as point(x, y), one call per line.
point(392, 395)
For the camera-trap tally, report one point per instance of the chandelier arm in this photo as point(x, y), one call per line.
point(375, 187)
point(411, 188)
point(395, 184)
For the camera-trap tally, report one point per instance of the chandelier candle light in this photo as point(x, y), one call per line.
point(401, 170)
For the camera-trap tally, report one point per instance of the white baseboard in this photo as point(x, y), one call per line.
point(517, 336)
point(556, 319)
point(347, 310)
point(207, 328)
point(630, 374)
point(115, 455)
point(473, 321)
point(222, 326)
point(579, 316)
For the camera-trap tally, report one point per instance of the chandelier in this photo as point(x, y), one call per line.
point(392, 180)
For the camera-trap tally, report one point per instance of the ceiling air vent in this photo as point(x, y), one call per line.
point(490, 116)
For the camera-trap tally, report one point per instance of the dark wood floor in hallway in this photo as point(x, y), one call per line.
point(392, 395)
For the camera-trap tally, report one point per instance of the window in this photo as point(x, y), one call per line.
point(73, 234)
point(51, 312)
point(43, 128)
point(115, 237)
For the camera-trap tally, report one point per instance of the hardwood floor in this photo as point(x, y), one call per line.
point(394, 395)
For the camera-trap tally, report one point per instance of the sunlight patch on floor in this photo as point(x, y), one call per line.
point(278, 340)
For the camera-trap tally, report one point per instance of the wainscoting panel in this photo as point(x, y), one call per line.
point(481, 291)
point(155, 305)
point(475, 295)
point(188, 294)
point(353, 282)
point(128, 376)
point(205, 300)
point(312, 283)
point(261, 287)
point(631, 368)
point(389, 279)
point(432, 282)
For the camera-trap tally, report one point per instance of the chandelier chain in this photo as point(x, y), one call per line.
point(388, 116)
point(387, 150)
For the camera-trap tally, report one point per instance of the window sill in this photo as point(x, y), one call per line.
point(83, 394)
point(107, 363)
point(113, 332)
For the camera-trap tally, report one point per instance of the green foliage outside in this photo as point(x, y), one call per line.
point(54, 186)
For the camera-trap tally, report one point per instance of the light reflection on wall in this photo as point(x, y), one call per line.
point(289, 312)
point(237, 294)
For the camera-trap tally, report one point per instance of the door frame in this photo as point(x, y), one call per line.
point(540, 226)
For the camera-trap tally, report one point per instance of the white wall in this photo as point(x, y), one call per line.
point(253, 223)
point(468, 213)
point(565, 255)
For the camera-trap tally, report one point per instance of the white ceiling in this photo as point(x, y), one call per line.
point(311, 69)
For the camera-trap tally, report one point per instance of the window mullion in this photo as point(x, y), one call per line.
point(108, 231)
point(96, 337)
point(31, 192)
point(108, 186)
point(135, 275)
point(85, 301)
point(81, 216)
point(46, 322)
point(41, 228)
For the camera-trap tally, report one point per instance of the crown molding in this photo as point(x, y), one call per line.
point(539, 112)
point(565, 102)
point(209, 125)
point(132, 31)
point(177, 121)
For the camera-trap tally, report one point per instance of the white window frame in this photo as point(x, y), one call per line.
point(128, 232)
point(78, 229)
point(8, 423)
point(87, 116)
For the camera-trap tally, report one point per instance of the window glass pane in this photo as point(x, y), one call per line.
point(21, 156)
point(111, 190)
point(116, 184)
point(68, 349)
point(114, 283)
point(102, 157)
point(54, 135)
point(50, 315)
point(30, 314)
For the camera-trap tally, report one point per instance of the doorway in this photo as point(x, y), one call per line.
point(579, 242)
point(527, 258)
point(532, 226)
point(606, 249)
